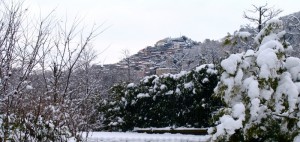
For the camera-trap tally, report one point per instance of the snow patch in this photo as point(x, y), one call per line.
point(143, 95)
point(243, 34)
point(230, 64)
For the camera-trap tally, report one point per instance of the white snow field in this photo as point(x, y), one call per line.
point(142, 137)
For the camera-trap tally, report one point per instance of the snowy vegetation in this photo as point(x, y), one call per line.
point(260, 90)
point(49, 90)
point(44, 96)
point(179, 100)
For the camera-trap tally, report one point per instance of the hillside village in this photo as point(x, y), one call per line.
point(173, 55)
point(161, 58)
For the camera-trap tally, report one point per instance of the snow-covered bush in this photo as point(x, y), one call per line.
point(171, 100)
point(28, 128)
point(261, 91)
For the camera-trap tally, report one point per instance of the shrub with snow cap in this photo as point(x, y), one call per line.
point(261, 92)
point(170, 100)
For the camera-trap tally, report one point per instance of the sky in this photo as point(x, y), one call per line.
point(136, 24)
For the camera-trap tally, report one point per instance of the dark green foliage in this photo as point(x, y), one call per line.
point(182, 100)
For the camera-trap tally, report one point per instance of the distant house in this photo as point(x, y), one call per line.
point(161, 71)
point(179, 39)
point(162, 42)
point(140, 74)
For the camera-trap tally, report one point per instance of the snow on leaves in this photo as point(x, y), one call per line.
point(260, 89)
point(177, 100)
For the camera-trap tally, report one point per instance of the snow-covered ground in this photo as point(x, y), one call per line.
point(142, 137)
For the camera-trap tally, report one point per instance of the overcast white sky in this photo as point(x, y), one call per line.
point(135, 24)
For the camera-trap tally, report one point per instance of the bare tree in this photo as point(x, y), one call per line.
point(212, 51)
point(265, 14)
point(127, 60)
point(177, 60)
point(292, 28)
point(40, 96)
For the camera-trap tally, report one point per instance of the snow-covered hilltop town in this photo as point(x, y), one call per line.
point(244, 86)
